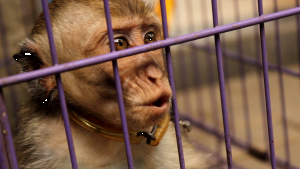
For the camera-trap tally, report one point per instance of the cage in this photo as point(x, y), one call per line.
point(236, 73)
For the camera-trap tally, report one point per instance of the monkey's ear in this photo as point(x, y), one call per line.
point(40, 88)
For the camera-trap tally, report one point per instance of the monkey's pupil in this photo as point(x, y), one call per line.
point(149, 38)
point(120, 43)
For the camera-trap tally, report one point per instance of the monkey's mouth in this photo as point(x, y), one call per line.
point(157, 105)
point(160, 102)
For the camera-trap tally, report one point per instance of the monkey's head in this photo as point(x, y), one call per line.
point(80, 32)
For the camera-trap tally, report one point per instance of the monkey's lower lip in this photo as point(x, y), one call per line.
point(155, 110)
point(159, 106)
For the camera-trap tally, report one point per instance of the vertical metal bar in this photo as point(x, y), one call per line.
point(227, 78)
point(60, 89)
point(3, 156)
point(222, 86)
point(259, 77)
point(281, 88)
point(266, 84)
point(118, 86)
point(4, 123)
point(243, 77)
point(171, 80)
point(8, 140)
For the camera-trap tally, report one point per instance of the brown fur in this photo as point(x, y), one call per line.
point(80, 32)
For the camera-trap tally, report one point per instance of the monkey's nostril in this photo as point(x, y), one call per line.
point(153, 80)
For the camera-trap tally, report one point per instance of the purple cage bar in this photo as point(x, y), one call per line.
point(10, 80)
point(266, 85)
point(228, 90)
point(118, 86)
point(19, 78)
point(171, 81)
point(7, 153)
point(259, 77)
point(222, 86)
point(7, 135)
point(298, 31)
point(60, 89)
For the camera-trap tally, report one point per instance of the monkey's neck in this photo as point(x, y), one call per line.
point(116, 132)
point(112, 132)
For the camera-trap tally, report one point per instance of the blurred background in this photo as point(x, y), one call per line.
point(196, 77)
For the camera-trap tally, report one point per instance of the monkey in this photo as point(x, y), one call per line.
point(80, 31)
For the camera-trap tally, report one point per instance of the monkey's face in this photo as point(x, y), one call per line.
point(143, 77)
point(91, 90)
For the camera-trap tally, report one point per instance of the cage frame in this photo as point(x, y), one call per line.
point(7, 152)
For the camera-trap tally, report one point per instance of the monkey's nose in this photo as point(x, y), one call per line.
point(154, 74)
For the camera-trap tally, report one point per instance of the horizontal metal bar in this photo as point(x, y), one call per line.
point(144, 48)
point(259, 154)
point(246, 59)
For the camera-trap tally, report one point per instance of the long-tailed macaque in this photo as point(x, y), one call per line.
point(80, 32)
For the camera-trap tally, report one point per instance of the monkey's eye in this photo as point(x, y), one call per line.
point(149, 38)
point(121, 43)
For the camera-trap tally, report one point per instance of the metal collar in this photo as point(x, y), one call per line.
point(109, 131)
